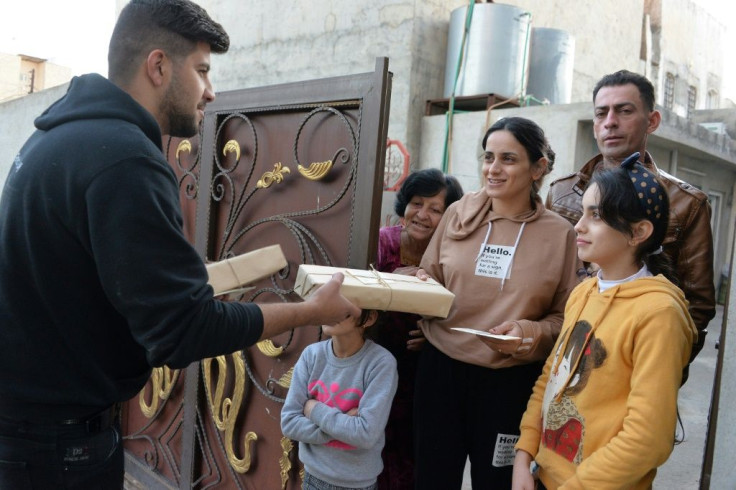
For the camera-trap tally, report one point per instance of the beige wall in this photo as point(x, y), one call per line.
point(33, 73)
point(15, 75)
point(16, 123)
point(56, 75)
point(689, 50)
point(277, 42)
point(287, 41)
point(560, 123)
point(10, 84)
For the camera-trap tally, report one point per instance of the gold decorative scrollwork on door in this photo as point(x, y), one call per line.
point(232, 146)
point(163, 380)
point(316, 170)
point(276, 176)
point(225, 410)
point(268, 348)
point(285, 461)
point(285, 380)
point(184, 145)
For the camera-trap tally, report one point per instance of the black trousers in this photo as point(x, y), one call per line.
point(462, 410)
point(60, 456)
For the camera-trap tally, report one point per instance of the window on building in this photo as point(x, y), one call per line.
point(25, 83)
point(692, 96)
point(711, 102)
point(669, 91)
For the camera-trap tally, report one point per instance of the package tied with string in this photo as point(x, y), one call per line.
point(232, 274)
point(373, 290)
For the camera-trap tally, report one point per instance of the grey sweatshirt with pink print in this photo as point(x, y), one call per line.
point(335, 447)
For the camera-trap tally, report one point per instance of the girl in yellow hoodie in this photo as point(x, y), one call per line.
point(602, 414)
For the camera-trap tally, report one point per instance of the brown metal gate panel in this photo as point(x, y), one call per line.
point(300, 165)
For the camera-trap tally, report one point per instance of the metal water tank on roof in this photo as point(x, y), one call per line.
point(551, 60)
point(494, 61)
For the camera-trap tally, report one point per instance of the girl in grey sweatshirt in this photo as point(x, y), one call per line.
point(338, 405)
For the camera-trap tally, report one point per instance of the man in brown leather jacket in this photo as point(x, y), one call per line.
point(624, 117)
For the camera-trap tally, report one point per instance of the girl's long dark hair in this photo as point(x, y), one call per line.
point(619, 207)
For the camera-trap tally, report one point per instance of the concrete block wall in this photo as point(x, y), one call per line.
point(9, 83)
point(559, 122)
point(679, 52)
point(287, 41)
point(16, 122)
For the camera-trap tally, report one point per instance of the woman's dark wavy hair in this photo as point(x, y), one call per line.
point(532, 138)
point(427, 183)
point(619, 207)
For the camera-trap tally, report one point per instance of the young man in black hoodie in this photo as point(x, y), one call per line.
point(97, 281)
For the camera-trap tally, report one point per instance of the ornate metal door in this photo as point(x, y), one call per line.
point(300, 165)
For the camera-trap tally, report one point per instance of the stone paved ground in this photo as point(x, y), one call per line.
point(682, 470)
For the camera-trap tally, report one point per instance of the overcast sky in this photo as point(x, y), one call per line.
point(75, 33)
point(72, 33)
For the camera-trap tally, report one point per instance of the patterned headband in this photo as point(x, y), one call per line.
point(647, 187)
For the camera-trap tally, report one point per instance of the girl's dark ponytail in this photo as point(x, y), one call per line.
point(632, 193)
point(660, 263)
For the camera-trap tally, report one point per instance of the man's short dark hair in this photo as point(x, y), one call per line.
point(624, 77)
point(175, 26)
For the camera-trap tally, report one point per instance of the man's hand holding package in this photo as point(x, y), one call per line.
point(331, 306)
point(325, 307)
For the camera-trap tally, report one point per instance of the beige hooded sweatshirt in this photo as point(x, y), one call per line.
point(519, 269)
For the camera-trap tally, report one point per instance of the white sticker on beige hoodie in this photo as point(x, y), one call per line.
point(494, 261)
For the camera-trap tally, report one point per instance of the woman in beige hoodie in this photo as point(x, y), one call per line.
point(511, 264)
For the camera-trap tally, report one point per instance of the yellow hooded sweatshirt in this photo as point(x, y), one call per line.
point(603, 412)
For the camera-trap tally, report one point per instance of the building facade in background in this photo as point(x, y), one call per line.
point(676, 43)
point(21, 75)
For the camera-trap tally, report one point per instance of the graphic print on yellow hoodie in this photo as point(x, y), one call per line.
point(603, 412)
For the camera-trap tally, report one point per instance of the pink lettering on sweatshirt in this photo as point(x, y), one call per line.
point(345, 400)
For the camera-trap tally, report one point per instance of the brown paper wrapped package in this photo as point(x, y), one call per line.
point(369, 289)
point(232, 274)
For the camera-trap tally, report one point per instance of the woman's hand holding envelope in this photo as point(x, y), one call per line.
point(508, 346)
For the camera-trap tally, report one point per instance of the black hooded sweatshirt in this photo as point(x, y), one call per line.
point(97, 280)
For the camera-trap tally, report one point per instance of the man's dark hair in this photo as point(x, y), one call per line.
point(175, 26)
point(624, 77)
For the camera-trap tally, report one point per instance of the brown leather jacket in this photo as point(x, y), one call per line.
point(688, 243)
